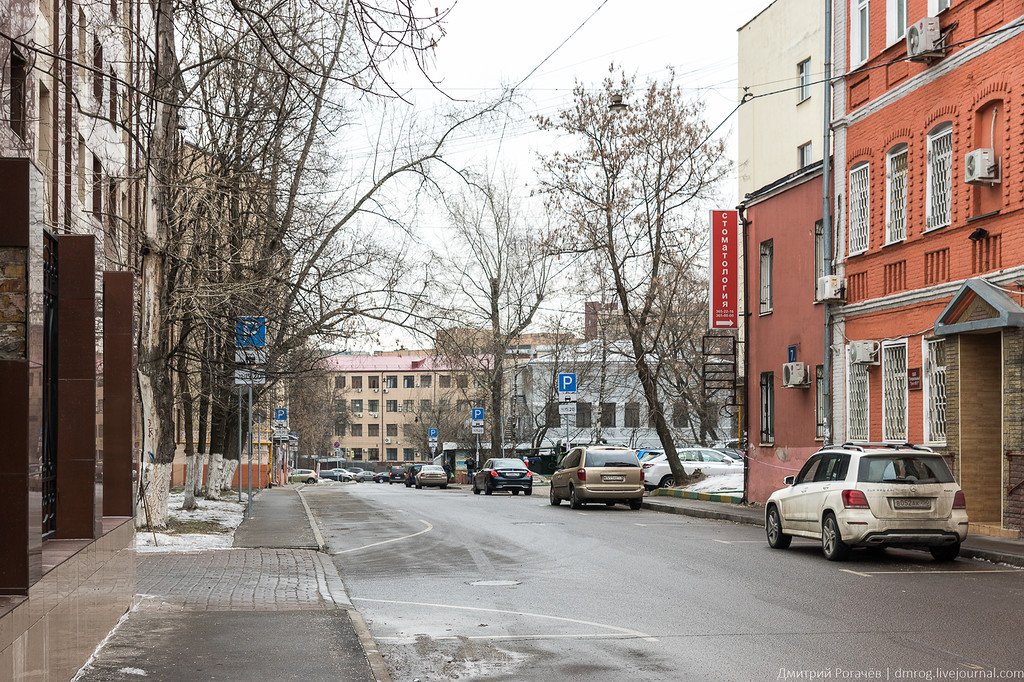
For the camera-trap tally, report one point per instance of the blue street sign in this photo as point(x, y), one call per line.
point(280, 414)
point(251, 332)
point(432, 433)
point(477, 414)
point(791, 354)
point(566, 383)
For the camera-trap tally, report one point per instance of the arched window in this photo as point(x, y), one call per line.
point(860, 202)
point(940, 176)
point(896, 194)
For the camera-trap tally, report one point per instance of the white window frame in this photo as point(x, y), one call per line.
point(894, 32)
point(860, 32)
point(886, 401)
point(855, 229)
point(805, 154)
point(803, 73)
point(926, 379)
point(766, 273)
point(939, 131)
point(937, 6)
point(850, 368)
point(894, 153)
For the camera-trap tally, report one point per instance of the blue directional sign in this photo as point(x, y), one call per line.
point(251, 332)
point(280, 414)
point(477, 414)
point(432, 433)
point(566, 382)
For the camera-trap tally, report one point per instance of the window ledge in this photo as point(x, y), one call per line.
point(857, 253)
point(894, 243)
point(975, 218)
point(765, 313)
point(936, 228)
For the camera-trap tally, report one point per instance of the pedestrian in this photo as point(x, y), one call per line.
point(470, 469)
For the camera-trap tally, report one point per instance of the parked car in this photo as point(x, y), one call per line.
point(364, 475)
point(658, 474)
point(503, 474)
point(598, 474)
point(731, 453)
point(871, 495)
point(410, 473)
point(381, 477)
point(431, 475)
point(396, 474)
point(336, 474)
point(303, 476)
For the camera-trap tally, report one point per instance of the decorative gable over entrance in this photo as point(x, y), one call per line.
point(977, 307)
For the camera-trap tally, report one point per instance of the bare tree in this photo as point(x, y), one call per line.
point(630, 191)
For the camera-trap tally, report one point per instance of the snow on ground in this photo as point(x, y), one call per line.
point(723, 483)
point(225, 512)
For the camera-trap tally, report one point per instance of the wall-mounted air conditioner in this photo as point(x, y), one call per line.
point(924, 41)
point(795, 375)
point(981, 167)
point(864, 352)
point(830, 289)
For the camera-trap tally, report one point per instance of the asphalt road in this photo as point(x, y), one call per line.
point(613, 594)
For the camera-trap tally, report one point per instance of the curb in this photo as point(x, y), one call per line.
point(966, 551)
point(724, 515)
point(690, 495)
point(321, 545)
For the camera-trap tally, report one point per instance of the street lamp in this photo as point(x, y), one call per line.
point(617, 105)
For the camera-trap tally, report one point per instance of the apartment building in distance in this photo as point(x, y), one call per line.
point(780, 168)
point(386, 403)
point(929, 191)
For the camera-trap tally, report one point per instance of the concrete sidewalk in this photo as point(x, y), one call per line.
point(271, 607)
point(997, 550)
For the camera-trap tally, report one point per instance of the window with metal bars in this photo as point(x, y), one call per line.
point(935, 392)
point(859, 209)
point(767, 407)
point(857, 414)
point(894, 390)
point(819, 402)
point(767, 257)
point(940, 176)
point(896, 195)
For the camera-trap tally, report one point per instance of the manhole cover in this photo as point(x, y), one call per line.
point(495, 583)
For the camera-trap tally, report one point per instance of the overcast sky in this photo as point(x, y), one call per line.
point(491, 44)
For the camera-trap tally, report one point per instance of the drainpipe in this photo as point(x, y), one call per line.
point(826, 216)
point(743, 418)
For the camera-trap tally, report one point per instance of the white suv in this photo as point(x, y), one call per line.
point(872, 496)
point(658, 473)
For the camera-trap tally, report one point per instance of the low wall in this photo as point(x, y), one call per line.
point(77, 602)
point(260, 475)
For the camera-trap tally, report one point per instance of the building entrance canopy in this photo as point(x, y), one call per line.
point(977, 307)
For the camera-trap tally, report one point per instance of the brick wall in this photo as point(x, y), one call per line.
point(1013, 428)
point(952, 449)
point(980, 426)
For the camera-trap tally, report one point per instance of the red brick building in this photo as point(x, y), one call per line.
point(930, 232)
point(785, 423)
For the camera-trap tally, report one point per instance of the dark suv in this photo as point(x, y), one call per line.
point(396, 473)
point(410, 473)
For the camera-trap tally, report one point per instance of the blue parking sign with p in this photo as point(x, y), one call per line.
point(477, 414)
point(566, 383)
point(280, 414)
point(432, 433)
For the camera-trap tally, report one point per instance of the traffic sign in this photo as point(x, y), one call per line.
point(250, 377)
point(567, 382)
point(432, 433)
point(251, 332)
point(250, 356)
point(337, 445)
point(478, 430)
point(567, 408)
point(477, 415)
point(280, 414)
point(280, 434)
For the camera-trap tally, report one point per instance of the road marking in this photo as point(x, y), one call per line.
point(736, 542)
point(385, 542)
point(623, 631)
point(596, 635)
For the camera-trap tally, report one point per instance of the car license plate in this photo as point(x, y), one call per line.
point(613, 478)
point(512, 475)
point(911, 503)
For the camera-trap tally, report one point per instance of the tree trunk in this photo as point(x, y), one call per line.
point(204, 412)
point(185, 390)
point(497, 389)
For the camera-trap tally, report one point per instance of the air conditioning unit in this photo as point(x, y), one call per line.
point(830, 289)
point(357, 415)
point(359, 390)
point(924, 41)
point(981, 167)
point(794, 375)
point(864, 352)
point(374, 415)
point(376, 390)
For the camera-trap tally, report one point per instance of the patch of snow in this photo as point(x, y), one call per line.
point(722, 483)
point(227, 513)
point(139, 672)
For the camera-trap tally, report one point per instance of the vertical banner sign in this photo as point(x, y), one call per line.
point(723, 274)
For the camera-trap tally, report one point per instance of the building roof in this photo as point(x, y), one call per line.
point(384, 363)
point(979, 306)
